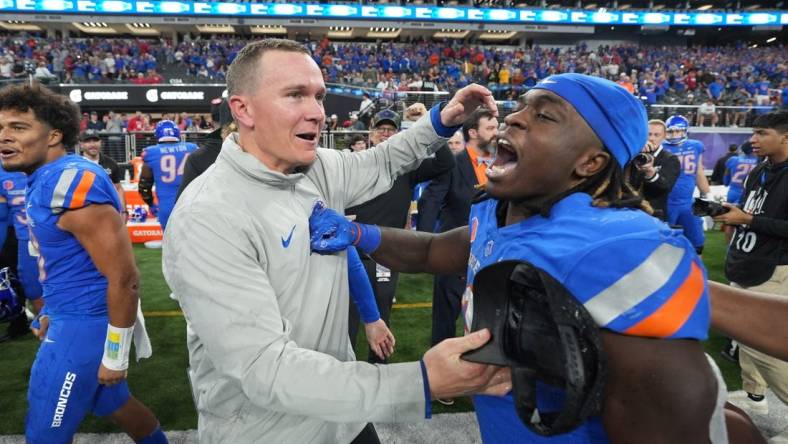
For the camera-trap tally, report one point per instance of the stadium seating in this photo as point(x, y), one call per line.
point(671, 75)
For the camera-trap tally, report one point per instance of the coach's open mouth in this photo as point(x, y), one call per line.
point(311, 137)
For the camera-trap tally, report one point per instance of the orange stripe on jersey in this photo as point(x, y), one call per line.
point(78, 199)
point(669, 318)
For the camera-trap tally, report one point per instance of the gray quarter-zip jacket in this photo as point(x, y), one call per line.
point(267, 320)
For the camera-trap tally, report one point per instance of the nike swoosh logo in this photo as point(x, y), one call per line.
point(49, 340)
point(286, 242)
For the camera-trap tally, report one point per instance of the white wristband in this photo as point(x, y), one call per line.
point(117, 348)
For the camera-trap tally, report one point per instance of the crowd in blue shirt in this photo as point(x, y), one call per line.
point(729, 75)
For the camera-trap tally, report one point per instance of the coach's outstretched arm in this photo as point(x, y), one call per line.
point(246, 338)
point(349, 179)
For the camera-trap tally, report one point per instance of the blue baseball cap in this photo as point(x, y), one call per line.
point(615, 115)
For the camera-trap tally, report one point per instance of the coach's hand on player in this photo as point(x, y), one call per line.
point(465, 102)
point(450, 377)
point(110, 377)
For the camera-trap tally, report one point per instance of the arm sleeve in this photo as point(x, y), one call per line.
point(434, 166)
point(234, 310)
point(648, 287)
point(431, 202)
point(770, 225)
point(77, 188)
point(666, 177)
point(349, 179)
point(360, 288)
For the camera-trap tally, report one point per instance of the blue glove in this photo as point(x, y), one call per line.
point(330, 232)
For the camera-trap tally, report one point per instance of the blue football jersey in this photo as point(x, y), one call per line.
point(688, 152)
point(167, 161)
point(737, 168)
point(12, 188)
point(71, 282)
point(633, 274)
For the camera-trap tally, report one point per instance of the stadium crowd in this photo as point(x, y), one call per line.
point(558, 113)
point(669, 74)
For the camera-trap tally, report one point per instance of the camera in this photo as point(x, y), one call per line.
point(703, 207)
point(642, 159)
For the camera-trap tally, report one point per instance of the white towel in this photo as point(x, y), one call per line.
point(142, 346)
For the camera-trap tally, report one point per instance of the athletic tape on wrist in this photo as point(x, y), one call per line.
point(117, 347)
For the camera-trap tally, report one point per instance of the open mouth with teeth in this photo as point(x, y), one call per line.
point(505, 160)
point(6, 153)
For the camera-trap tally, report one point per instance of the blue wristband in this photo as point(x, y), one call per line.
point(437, 125)
point(427, 395)
point(367, 237)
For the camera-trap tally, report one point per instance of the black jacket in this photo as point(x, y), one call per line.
point(390, 209)
point(448, 197)
point(656, 190)
point(719, 168)
point(200, 160)
point(756, 249)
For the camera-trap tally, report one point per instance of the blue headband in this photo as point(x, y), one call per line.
point(615, 115)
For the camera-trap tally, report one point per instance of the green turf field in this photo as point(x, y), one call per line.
point(161, 382)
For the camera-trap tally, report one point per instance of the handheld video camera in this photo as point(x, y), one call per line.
point(703, 207)
point(642, 159)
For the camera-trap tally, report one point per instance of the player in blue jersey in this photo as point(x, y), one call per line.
point(737, 168)
point(690, 154)
point(556, 198)
point(12, 194)
point(164, 164)
point(86, 269)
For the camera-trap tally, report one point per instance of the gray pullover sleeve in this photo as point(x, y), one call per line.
point(228, 300)
point(349, 179)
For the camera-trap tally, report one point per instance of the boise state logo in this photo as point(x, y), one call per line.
point(8, 185)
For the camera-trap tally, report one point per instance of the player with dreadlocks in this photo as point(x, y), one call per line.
point(556, 198)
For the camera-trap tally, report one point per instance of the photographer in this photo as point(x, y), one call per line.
point(655, 170)
point(758, 255)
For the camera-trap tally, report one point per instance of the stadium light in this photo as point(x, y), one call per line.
point(142, 29)
point(215, 29)
point(705, 7)
point(771, 39)
point(268, 29)
point(16, 25)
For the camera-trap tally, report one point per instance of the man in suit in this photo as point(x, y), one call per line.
point(656, 174)
point(448, 199)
